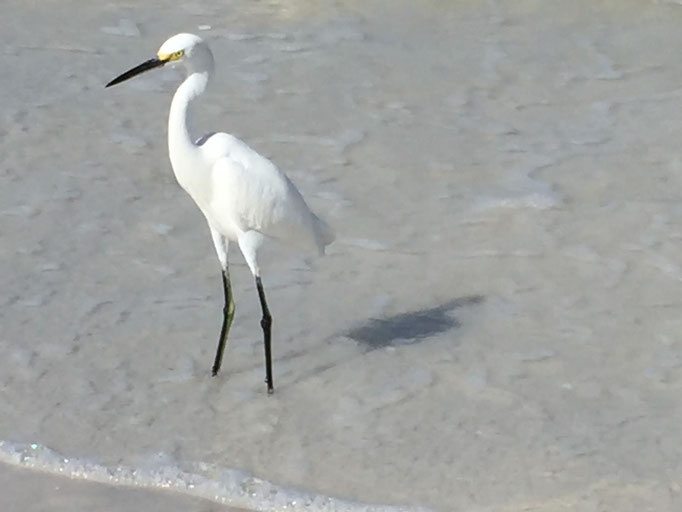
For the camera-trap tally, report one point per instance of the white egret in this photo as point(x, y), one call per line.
point(243, 196)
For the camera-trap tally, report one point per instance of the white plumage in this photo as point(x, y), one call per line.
point(245, 198)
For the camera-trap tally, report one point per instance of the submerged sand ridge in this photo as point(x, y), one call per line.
point(497, 327)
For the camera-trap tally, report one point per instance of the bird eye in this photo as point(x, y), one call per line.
point(177, 55)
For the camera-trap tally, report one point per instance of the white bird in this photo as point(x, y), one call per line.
point(243, 196)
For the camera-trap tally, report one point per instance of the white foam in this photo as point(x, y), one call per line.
point(363, 243)
point(208, 481)
point(521, 191)
point(126, 28)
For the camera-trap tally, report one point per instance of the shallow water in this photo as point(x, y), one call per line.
point(497, 326)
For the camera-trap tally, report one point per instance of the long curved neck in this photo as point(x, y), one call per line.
point(180, 143)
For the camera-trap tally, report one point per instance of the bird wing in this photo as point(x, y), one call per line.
point(251, 193)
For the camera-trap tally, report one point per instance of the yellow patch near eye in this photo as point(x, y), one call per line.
point(170, 57)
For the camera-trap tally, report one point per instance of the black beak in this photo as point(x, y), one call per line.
point(145, 66)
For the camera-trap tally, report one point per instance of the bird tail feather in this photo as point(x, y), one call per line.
point(324, 234)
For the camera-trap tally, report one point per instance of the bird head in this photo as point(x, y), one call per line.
point(186, 49)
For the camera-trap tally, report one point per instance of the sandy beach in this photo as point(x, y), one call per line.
point(498, 326)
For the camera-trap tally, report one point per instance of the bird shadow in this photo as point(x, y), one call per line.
point(397, 330)
point(412, 327)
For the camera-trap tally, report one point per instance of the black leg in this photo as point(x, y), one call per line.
point(266, 324)
point(228, 315)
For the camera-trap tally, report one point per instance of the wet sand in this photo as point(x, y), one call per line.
point(497, 326)
point(35, 491)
